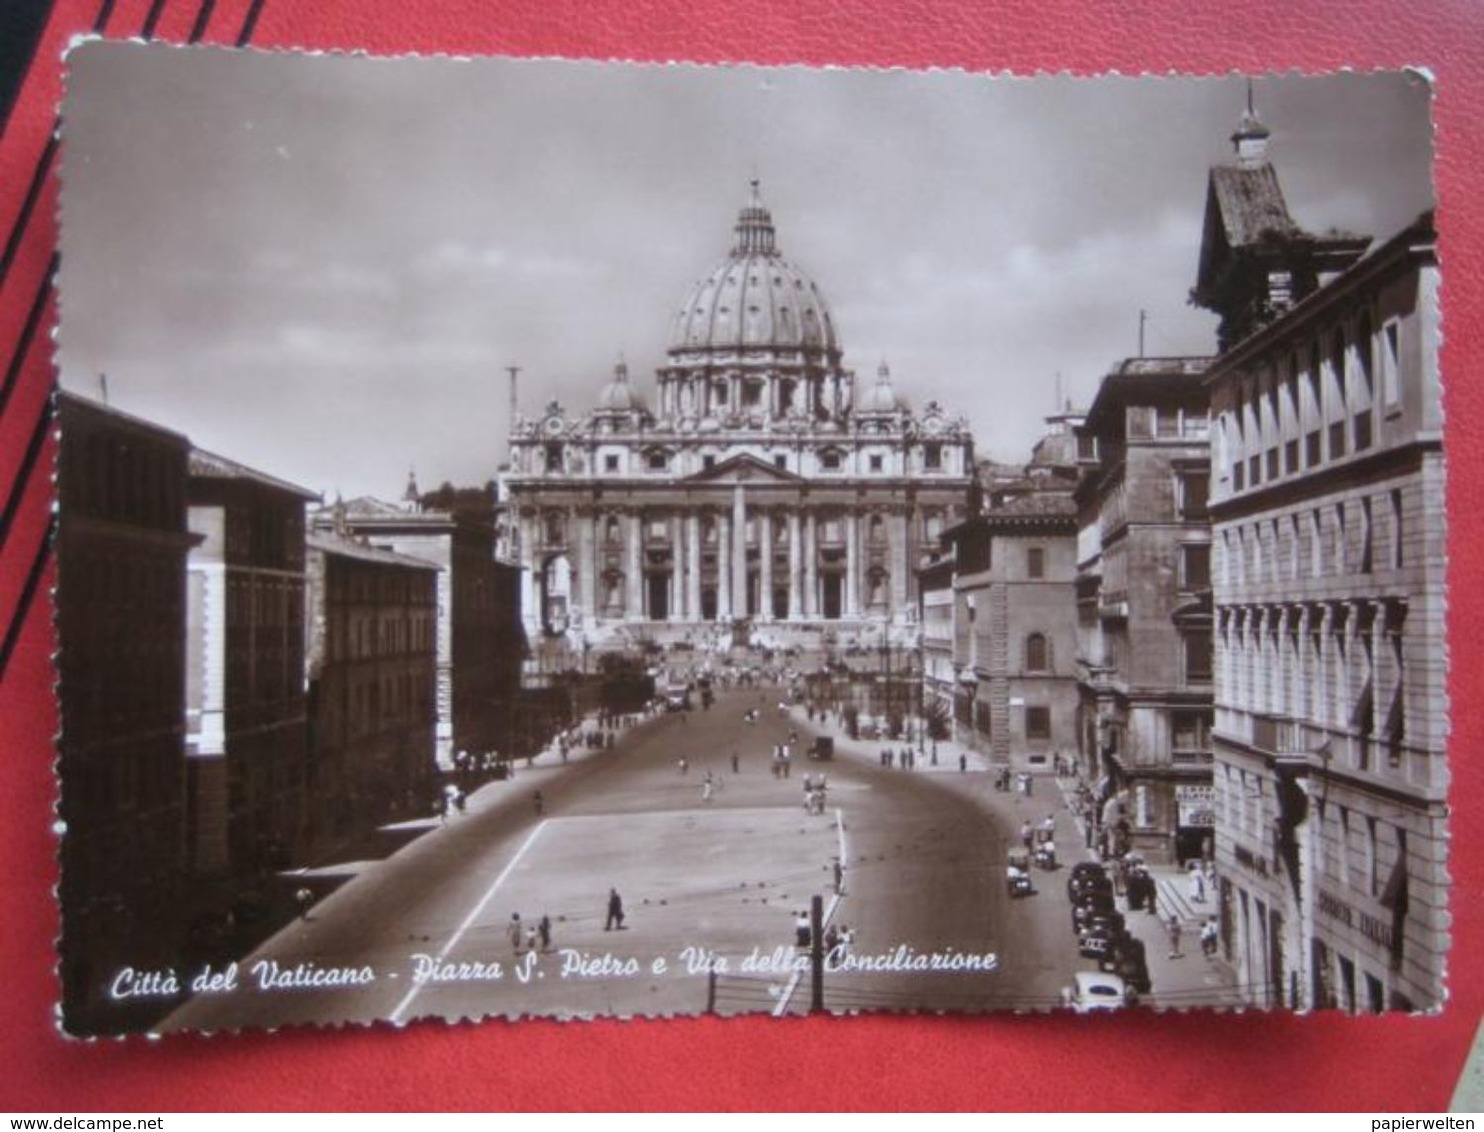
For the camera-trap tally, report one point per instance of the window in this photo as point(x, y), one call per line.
point(829, 460)
point(1193, 491)
point(1037, 653)
point(1038, 723)
point(752, 394)
point(1396, 530)
point(1198, 654)
point(658, 461)
point(1195, 567)
point(708, 462)
point(780, 461)
point(610, 463)
point(1190, 735)
point(553, 457)
point(1035, 562)
point(1391, 376)
point(932, 457)
point(876, 463)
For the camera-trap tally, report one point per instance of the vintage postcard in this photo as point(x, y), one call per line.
point(567, 539)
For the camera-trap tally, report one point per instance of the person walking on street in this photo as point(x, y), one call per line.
point(513, 929)
point(1209, 938)
point(544, 928)
point(615, 911)
point(736, 765)
point(1174, 929)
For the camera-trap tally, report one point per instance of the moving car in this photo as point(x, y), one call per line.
point(1092, 991)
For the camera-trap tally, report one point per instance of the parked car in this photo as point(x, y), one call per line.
point(1091, 904)
point(1088, 876)
point(1093, 991)
point(1128, 962)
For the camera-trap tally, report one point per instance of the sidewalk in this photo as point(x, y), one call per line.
point(1182, 980)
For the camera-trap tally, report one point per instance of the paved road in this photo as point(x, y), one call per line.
point(706, 885)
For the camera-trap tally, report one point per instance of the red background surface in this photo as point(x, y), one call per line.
point(1144, 1060)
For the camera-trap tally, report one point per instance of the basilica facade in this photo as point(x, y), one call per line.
point(764, 498)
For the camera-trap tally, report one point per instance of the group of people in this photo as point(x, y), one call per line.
point(814, 793)
point(525, 936)
point(905, 759)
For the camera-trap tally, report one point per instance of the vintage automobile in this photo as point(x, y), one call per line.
point(1129, 963)
point(1018, 872)
point(1087, 876)
point(1090, 904)
point(1095, 990)
point(823, 748)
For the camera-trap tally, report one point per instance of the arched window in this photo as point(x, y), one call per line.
point(1037, 653)
point(556, 529)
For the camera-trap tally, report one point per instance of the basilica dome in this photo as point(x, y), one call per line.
point(881, 397)
point(754, 300)
point(618, 396)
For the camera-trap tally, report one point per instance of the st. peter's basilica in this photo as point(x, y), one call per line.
point(767, 497)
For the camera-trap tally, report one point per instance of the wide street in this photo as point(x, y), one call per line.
point(704, 883)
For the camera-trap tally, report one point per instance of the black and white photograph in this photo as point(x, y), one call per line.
point(579, 540)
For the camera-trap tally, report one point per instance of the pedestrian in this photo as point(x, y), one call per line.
point(304, 898)
point(545, 930)
point(615, 911)
point(513, 930)
point(706, 789)
point(682, 765)
point(1197, 883)
point(1026, 834)
point(1174, 930)
point(803, 935)
point(736, 765)
point(1209, 937)
point(839, 869)
point(532, 938)
point(963, 763)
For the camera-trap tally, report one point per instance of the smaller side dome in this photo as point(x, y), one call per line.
point(881, 397)
point(618, 396)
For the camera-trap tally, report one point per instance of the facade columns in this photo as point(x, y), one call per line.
point(795, 606)
point(528, 588)
point(723, 567)
point(634, 570)
point(676, 611)
point(739, 550)
point(586, 596)
point(852, 564)
point(811, 565)
point(693, 566)
point(765, 564)
point(896, 533)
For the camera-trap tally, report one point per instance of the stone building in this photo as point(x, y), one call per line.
point(1013, 683)
point(765, 499)
point(1144, 607)
point(372, 677)
point(121, 627)
point(479, 639)
point(1331, 710)
point(246, 709)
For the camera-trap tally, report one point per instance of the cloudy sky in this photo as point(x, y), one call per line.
point(322, 265)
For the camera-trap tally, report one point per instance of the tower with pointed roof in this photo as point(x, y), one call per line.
point(1256, 261)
